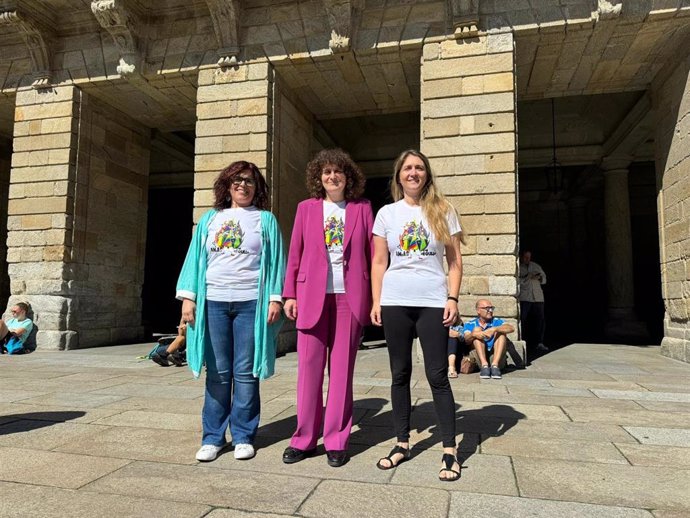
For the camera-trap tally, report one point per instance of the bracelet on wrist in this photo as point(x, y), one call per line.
point(452, 298)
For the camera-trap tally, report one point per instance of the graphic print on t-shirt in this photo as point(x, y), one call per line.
point(229, 237)
point(334, 232)
point(414, 240)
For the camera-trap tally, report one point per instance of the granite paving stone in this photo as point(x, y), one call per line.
point(680, 397)
point(159, 420)
point(496, 506)
point(237, 489)
point(158, 404)
point(22, 500)
point(153, 391)
point(46, 435)
point(73, 399)
point(30, 466)
point(234, 513)
point(581, 451)
point(335, 498)
point(559, 438)
point(655, 455)
point(606, 484)
point(148, 444)
point(627, 417)
point(20, 410)
point(662, 436)
point(480, 473)
point(665, 406)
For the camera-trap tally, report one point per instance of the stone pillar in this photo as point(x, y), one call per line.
point(468, 131)
point(234, 122)
point(622, 322)
point(77, 218)
point(5, 154)
point(671, 100)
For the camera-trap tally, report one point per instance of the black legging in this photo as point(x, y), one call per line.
point(399, 325)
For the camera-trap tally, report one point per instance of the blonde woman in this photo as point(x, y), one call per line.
point(414, 296)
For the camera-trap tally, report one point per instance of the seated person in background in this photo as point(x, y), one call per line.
point(487, 335)
point(175, 351)
point(18, 327)
point(456, 346)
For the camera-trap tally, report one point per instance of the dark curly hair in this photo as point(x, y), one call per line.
point(221, 187)
point(354, 178)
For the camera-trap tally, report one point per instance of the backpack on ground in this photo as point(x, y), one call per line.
point(14, 346)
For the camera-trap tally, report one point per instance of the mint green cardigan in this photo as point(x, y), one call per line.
point(192, 285)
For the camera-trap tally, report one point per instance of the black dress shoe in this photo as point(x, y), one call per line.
point(292, 455)
point(336, 458)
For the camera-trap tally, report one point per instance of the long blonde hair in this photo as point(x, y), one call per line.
point(434, 205)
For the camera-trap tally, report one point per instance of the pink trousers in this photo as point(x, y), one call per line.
point(335, 338)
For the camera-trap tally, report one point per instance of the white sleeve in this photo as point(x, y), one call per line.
point(380, 223)
point(453, 223)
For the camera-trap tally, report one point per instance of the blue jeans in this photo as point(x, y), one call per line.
point(232, 392)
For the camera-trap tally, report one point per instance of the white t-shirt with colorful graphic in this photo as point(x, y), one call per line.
point(334, 235)
point(415, 276)
point(234, 255)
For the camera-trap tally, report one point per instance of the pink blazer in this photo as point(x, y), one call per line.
point(307, 265)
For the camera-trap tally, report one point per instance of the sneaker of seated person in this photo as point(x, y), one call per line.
point(495, 372)
point(485, 372)
point(542, 348)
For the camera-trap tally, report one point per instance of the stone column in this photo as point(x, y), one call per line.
point(5, 154)
point(234, 122)
point(622, 322)
point(671, 101)
point(468, 131)
point(77, 217)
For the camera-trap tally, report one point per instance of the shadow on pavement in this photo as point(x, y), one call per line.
point(34, 420)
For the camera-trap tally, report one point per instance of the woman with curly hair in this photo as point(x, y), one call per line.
point(230, 287)
point(328, 293)
point(413, 295)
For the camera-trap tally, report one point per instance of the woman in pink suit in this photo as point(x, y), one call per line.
point(328, 292)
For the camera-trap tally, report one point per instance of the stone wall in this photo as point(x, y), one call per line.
point(5, 154)
point(292, 148)
point(468, 132)
point(672, 104)
point(110, 225)
point(234, 122)
point(76, 217)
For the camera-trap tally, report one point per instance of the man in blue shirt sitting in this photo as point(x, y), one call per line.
point(17, 328)
point(487, 335)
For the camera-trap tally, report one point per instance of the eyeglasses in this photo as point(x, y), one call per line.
point(336, 172)
point(249, 182)
point(490, 309)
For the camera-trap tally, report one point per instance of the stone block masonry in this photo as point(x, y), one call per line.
point(468, 132)
point(672, 106)
point(5, 153)
point(234, 122)
point(76, 218)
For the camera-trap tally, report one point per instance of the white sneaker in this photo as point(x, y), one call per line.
point(208, 452)
point(244, 451)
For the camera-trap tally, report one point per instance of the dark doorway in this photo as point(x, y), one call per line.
point(564, 229)
point(168, 236)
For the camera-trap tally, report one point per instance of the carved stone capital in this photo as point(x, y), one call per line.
point(342, 16)
point(122, 24)
point(38, 39)
point(465, 17)
point(225, 15)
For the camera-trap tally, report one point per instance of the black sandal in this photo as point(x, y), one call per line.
point(448, 460)
point(405, 452)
